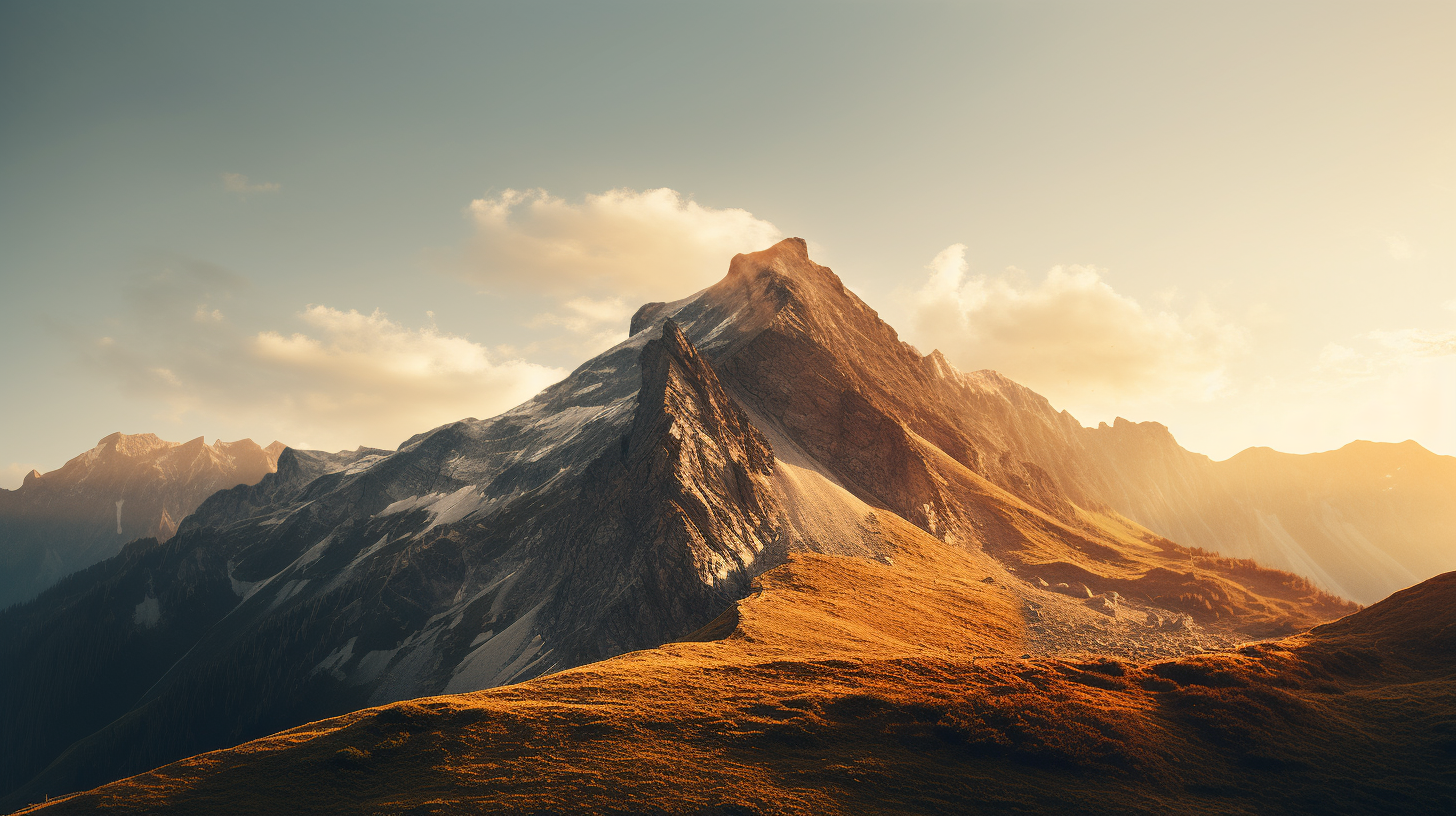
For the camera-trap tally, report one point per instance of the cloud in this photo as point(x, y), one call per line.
point(1071, 336)
point(650, 245)
point(1383, 352)
point(1344, 363)
point(343, 379)
point(1398, 248)
point(238, 183)
point(1415, 343)
point(353, 364)
point(595, 325)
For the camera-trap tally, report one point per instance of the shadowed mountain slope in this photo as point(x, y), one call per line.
point(771, 418)
point(127, 487)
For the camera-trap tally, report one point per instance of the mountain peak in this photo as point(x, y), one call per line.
point(133, 445)
point(788, 258)
point(793, 249)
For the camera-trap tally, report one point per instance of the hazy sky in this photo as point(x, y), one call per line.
point(341, 224)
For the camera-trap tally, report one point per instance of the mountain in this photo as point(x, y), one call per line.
point(1361, 522)
point(844, 686)
point(129, 486)
point(768, 419)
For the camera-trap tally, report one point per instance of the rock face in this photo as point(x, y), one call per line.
point(125, 488)
point(770, 415)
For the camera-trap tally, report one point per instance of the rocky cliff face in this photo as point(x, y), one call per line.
point(629, 505)
point(125, 488)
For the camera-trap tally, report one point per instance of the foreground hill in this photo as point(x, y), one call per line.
point(848, 686)
point(125, 488)
point(771, 419)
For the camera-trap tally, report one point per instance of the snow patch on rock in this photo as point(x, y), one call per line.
point(499, 658)
point(289, 590)
point(334, 663)
point(148, 613)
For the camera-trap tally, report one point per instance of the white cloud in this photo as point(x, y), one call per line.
point(238, 183)
point(650, 245)
point(1071, 336)
point(1398, 248)
point(595, 324)
point(344, 380)
point(1450, 305)
point(411, 379)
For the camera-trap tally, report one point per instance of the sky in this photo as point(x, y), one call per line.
point(337, 224)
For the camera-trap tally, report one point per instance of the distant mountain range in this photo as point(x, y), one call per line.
point(1362, 522)
point(125, 488)
point(765, 453)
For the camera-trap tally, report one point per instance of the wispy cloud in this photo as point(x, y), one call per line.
point(1071, 336)
point(1398, 248)
point(1380, 353)
point(342, 379)
point(594, 325)
point(238, 183)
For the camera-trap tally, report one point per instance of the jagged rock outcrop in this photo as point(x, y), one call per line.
point(129, 486)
